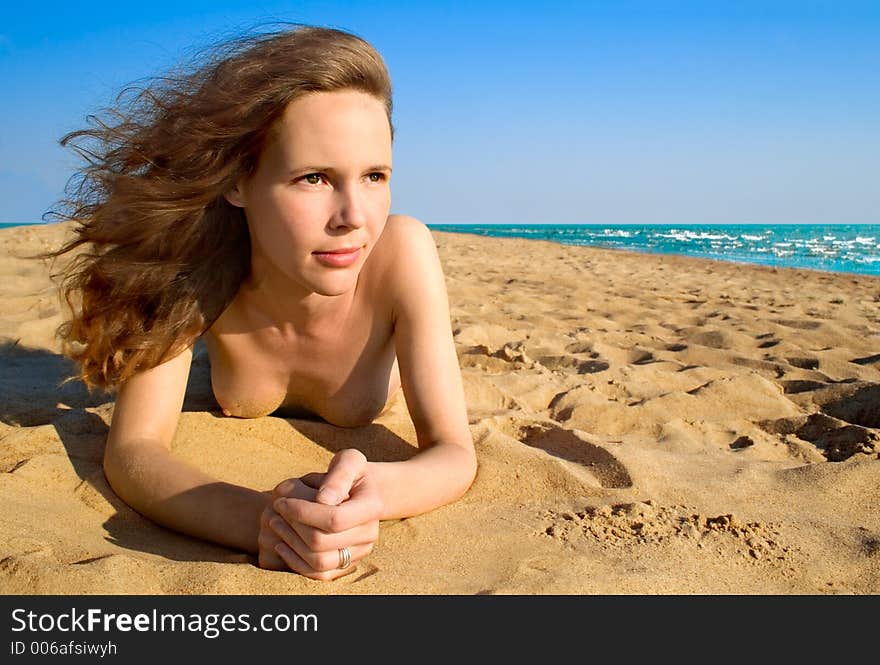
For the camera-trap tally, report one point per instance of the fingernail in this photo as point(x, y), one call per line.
point(328, 496)
point(286, 487)
point(278, 505)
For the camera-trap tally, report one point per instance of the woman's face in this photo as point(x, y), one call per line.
point(320, 196)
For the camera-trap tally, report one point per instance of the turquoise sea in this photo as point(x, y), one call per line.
point(851, 248)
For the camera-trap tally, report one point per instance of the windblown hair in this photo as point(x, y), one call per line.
point(163, 252)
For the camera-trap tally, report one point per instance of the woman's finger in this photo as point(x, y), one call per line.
point(362, 507)
point(267, 557)
point(346, 467)
point(305, 539)
point(330, 571)
point(313, 480)
point(295, 488)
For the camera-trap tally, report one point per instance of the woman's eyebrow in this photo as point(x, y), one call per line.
point(330, 169)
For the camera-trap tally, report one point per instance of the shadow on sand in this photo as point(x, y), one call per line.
point(35, 390)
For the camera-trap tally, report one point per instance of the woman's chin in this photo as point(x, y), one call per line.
point(336, 285)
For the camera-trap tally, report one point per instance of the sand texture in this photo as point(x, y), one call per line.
point(643, 424)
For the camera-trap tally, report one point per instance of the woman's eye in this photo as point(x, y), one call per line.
point(313, 178)
point(376, 177)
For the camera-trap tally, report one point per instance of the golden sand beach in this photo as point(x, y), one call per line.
point(643, 424)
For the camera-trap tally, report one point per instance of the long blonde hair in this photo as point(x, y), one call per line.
point(163, 251)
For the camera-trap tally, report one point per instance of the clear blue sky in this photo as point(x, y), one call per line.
point(721, 111)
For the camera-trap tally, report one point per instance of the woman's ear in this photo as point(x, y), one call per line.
point(235, 197)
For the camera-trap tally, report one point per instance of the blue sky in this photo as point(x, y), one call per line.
point(517, 112)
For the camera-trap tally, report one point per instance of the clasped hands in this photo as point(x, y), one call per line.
point(308, 520)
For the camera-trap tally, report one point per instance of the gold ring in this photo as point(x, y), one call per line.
point(344, 558)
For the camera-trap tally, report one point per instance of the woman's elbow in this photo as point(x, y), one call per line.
point(124, 469)
point(468, 471)
point(117, 473)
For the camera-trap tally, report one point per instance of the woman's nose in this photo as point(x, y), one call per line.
point(351, 210)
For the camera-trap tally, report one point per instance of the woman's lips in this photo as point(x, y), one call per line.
point(339, 258)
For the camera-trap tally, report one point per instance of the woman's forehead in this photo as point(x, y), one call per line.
point(333, 125)
point(334, 111)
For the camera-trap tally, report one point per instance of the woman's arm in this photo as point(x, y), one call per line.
point(355, 493)
point(446, 465)
point(142, 471)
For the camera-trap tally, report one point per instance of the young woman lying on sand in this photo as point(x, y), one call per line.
point(246, 203)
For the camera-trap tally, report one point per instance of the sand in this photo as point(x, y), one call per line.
point(644, 425)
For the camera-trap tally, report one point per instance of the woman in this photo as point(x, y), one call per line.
point(246, 203)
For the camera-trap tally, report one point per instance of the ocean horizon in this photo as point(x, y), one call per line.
point(848, 248)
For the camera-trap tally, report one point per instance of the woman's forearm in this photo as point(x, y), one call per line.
point(436, 476)
point(178, 496)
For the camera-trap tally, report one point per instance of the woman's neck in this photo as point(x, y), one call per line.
point(291, 307)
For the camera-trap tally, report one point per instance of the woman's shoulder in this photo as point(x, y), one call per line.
point(405, 249)
point(405, 228)
point(403, 242)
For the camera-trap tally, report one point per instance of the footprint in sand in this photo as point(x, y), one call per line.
point(795, 386)
point(482, 357)
point(804, 362)
point(644, 523)
point(639, 356)
point(836, 438)
point(573, 364)
point(867, 360)
point(854, 403)
point(798, 324)
point(582, 347)
point(565, 444)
